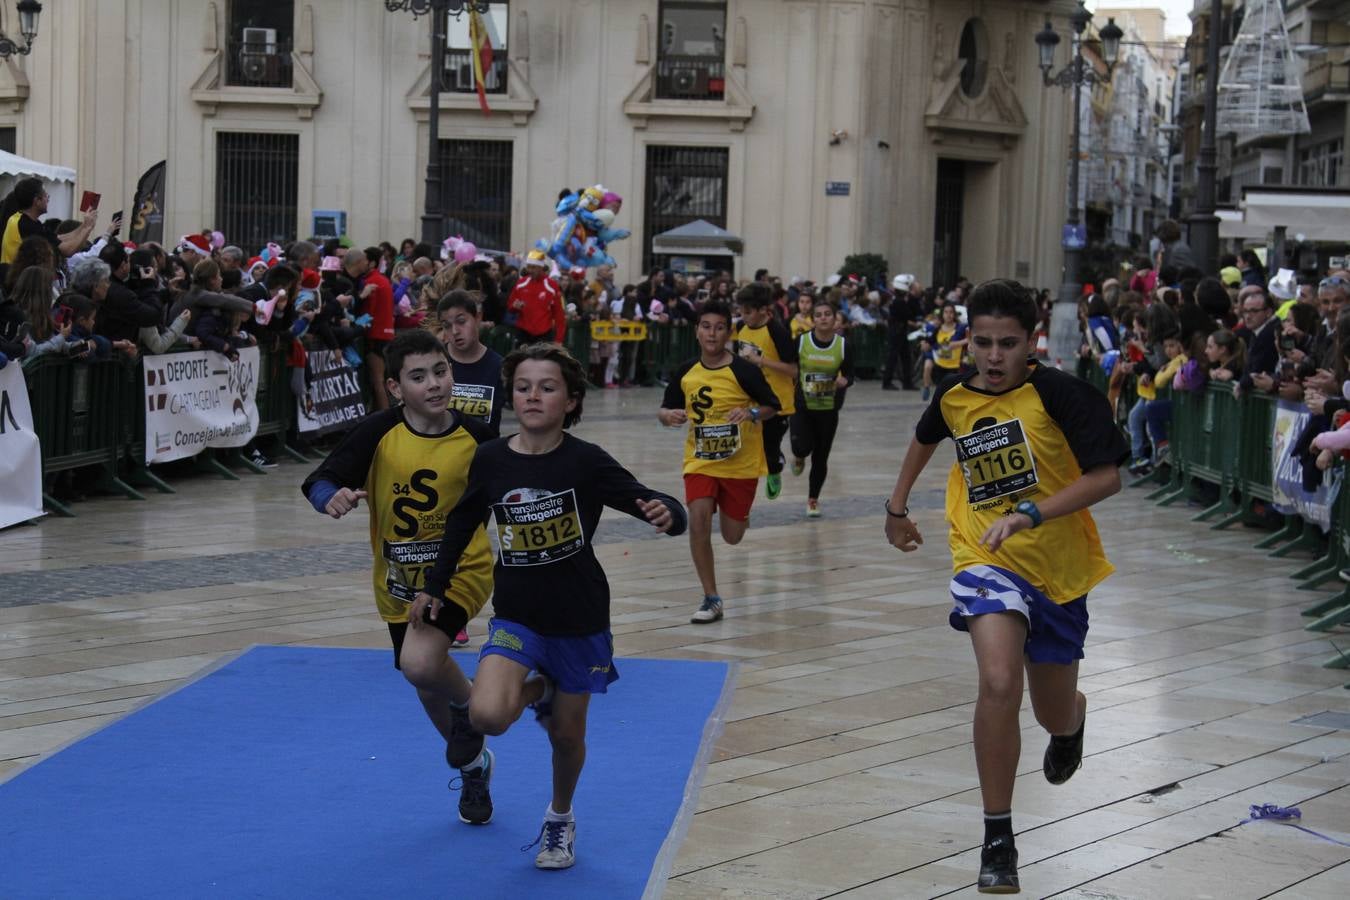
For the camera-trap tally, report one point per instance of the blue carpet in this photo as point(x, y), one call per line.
point(302, 772)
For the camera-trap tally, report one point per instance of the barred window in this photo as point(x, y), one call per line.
point(683, 184)
point(476, 191)
point(257, 187)
point(258, 43)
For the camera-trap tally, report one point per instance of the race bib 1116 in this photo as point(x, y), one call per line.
point(538, 530)
point(996, 461)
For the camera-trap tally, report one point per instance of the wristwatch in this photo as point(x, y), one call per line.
point(754, 413)
point(1030, 510)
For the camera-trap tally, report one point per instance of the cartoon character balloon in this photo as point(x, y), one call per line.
point(583, 228)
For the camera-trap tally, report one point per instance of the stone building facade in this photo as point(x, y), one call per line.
point(810, 128)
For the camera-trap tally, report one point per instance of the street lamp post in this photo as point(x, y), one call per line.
point(1064, 338)
point(1204, 225)
point(433, 214)
point(28, 26)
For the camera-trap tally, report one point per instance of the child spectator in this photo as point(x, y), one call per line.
point(82, 316)
point(1225, 354)
point(223, 331)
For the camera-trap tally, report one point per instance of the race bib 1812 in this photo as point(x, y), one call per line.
point(538, 530)
point(996, 461)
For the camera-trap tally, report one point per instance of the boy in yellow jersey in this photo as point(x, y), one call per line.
point(723, 398)
point(765, 343)
point(1035, 448)
point(412, 463)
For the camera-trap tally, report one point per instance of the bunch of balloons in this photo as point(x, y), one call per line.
point(459, 250)
point(583, 228)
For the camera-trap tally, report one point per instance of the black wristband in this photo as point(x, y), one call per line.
point(899, 515)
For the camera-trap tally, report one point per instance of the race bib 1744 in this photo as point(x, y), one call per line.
point(716, 441)
point(996, 461)
point(540, 530)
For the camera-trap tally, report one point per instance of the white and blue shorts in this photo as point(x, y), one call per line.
point(1055, 631)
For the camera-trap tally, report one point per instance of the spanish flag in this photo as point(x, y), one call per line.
point(480, 42)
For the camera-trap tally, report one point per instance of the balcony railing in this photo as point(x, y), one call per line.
point(1326, 78)
point(690, 78)
point(257, 64)
point(458, 78)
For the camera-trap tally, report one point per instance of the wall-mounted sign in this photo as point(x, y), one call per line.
point(836, 188)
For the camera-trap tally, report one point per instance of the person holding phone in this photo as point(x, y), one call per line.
point(22, 211)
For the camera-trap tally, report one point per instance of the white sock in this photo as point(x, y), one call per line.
point(479, 761)
point(551, 816)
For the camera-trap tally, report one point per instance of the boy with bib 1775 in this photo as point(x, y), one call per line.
point(1035, 448)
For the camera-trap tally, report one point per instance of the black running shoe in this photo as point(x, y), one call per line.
point(998, 867)
point(475, 802)
point(1063, 756)
point(465, 744)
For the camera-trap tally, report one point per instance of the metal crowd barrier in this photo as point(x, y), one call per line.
point(1217, 439)
point(92, 415)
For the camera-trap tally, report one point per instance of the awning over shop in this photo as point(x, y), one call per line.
point(60, 181)
point(1318, 215)
point(697, 238)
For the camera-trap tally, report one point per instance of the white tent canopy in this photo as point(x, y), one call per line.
point(1317, 214)
point(60, 181)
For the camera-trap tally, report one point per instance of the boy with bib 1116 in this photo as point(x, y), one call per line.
point(1035, 447)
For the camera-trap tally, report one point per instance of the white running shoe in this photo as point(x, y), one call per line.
point(559, 845)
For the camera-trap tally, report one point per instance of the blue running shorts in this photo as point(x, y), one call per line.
point(577, 664)
point(1055, 631)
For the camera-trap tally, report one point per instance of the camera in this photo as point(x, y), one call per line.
point(1287, 342)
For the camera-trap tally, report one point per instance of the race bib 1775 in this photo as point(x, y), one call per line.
point(996, 461)
point(473, 400)
point(537, 530)
point(407, 563)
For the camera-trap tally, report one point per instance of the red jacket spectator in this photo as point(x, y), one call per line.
point(380, 304)
point(536, 301)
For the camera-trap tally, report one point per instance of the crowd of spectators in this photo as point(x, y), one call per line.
point(1172, 327)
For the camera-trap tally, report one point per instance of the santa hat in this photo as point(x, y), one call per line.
point(197, 243)
point(309, 279)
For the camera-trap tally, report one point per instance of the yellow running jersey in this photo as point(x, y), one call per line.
point(713, 445)
point(1027, 443)
point(412, 481)
point(775, 343)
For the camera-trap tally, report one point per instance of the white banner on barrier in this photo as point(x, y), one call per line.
point(198, 400)
point(20, 455)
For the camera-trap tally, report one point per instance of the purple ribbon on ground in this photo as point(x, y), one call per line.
point(1289, 815)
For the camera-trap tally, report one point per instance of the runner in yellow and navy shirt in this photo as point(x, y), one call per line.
point(765, 342)
point(724, 399)
point(1034, 449)
point(411, 464)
